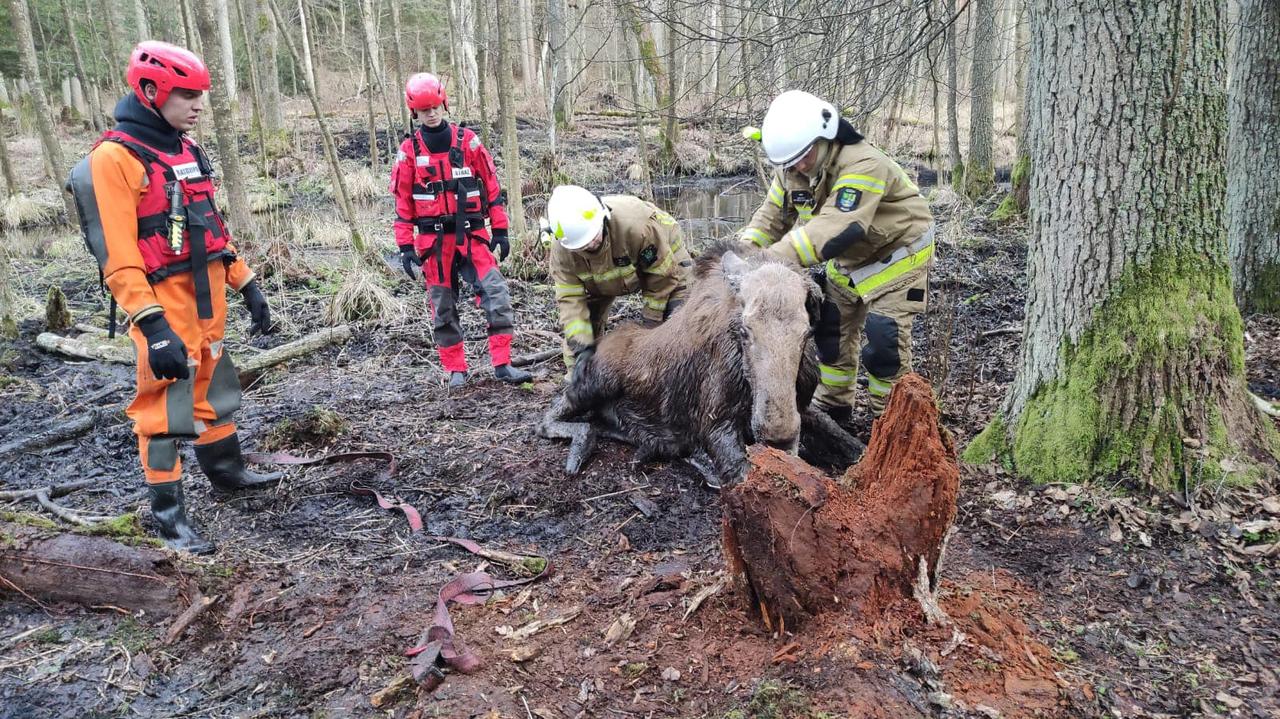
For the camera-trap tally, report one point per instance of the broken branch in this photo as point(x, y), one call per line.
point(254, 366)
point(59, 433)
point(82, 348)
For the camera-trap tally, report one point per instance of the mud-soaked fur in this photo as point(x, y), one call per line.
point(735, 365)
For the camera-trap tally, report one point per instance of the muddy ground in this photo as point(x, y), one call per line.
point(1065, 601)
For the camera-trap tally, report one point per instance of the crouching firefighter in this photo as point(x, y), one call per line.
point(446, 188)
point(602, 248)
point(841, 206)
point(146, 200)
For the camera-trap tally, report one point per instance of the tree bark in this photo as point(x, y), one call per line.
point(642, 144)
point(399, 59)
point(524, 22)
point(266, 32)
point(557, 51)
point(979, 175)
point(116, 55)
point(255, 96)
point(77, 57)
point(6, 164)
point(465, 50)
point(1132, 361)
point(308, 67)
point(483, 63)
point(953, 90)
point(223, 43)
point(225, 127)
point(55, 163)
point(140, 17)
point(510, 149)
point(1253, 158)
point(369, 29)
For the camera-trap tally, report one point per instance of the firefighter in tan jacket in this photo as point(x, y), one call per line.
point(840, 205)
point(602, 248)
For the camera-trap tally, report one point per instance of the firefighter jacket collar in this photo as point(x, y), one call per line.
point(141, 122)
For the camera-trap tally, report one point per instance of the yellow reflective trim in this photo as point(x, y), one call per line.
point(805, 211)
point(563, 291)
point(776, 193)
point(615, 273)
point(860, 182)
point(894, 271)
point(662, 267)
point(878, 387)
point(576, 328)
point(833, 377)
point(804, 247)
point(664, 219)
point(655, 304)
point(756, 236)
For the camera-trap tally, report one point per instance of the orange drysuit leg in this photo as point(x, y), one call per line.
point(199, 407)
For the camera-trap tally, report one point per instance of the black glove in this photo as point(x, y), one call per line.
point(166, 353)
point(259, 313)
point(500, 241)
point(408, 259)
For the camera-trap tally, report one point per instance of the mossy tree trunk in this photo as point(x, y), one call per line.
point(979, 175)
point(506, 98)
point(1253, 158)
point(6, 164)
point(1132, 361)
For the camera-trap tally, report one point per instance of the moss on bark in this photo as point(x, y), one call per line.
point(1153, 389)
point(1263, 294)
point(990, 445)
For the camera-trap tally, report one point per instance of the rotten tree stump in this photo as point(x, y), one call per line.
point(802, 544)
point(44, 566)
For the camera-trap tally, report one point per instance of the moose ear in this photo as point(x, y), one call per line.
point(813, 302)
point(734, 268)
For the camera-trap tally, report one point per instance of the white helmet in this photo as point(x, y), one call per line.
point(575, 216)
point(795, 121)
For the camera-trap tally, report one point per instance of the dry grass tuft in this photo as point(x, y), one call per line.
point(265, 195)
point(362, 298)
point(29, 210)
point(363, 185)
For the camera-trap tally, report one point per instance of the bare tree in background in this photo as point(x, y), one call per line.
point(266, 43)
point(225, 127)
point(140, 18)
point(6, 164)
point(513, 182)
point(255, 92)
point(979, 174)
point(1253, 158)
point(95, 114)
point(55, 164)
point(223, 17)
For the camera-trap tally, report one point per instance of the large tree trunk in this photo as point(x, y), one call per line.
point(117, 55)
point(95, 116)
point(510, 150)
point(953, 90)
point(979, 175)
point(1021, 179)
point(556, 71)
point(223, 43)
point(1132, 358)
point(524, 20)
point(465, 50)
point(308, 67)
point(55, 164)
point(369, 29)
point(266, 32)
point(1253, 158)
point(140, 17)
point(670, 134)
point(225, 130)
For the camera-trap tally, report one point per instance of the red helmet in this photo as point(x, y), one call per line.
point(170, 67)
point(425, 91)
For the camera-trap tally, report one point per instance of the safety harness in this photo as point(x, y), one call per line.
point(460, 222)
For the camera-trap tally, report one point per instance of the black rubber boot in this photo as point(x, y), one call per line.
point(170, 512)
point(223, 464)
point(457, 379)
point(842, 415)
point(514, 375)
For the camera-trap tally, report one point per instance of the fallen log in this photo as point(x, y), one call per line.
point(250, 368)
point(529, 359)
point(85, 347)
point(801, 544)
point(93, 571)
point(67, 430)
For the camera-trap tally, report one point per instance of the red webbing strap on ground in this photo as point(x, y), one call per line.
point(438, 647)
point(392, 502)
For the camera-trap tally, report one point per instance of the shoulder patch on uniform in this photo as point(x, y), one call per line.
point(648, 256)
point(847, 199)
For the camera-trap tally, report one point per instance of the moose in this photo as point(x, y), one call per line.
point(735, 366)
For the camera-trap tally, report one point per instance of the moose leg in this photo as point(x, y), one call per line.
point(581, 435)
point(701, 463)
point(729, 458)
